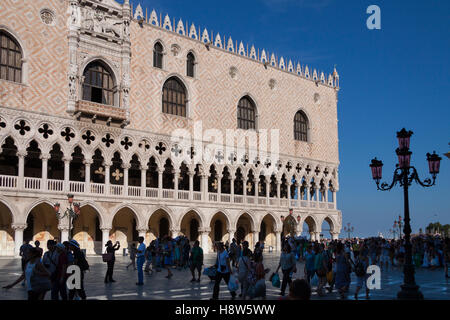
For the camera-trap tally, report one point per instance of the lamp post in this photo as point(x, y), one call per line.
point(348, 229)
point(404, 174)
point(72, 212)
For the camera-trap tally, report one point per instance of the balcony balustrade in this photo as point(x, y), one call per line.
point(77, 187)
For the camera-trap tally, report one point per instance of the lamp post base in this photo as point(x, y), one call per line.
point(409, 292)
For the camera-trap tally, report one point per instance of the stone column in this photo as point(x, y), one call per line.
point(204, 243)
point(44, 157)
point(299, 229)
point(257, 191)
point(160, 182)
point(105, 236)
point(143, 180)
point(107, 176)
point(204, 186)
point(308, 193)
point(231, 234)
point(66, 172)
point(175, 232)
point(318, 235)
point(87, 174)
point(279, 192)
point(244, 192)
point(255, 237)
point(278, 241)
point(176, 175)
point(126, 167)
point(326, 195)
point(317, 197)
point(268, 191)
point(219, 187)
point(18, 237)
point(312, 235)
point(142, 232)
point(334, 200)
point(289, 193)
point(232, 177)
point(191, 185)
point(64, 233)
point(21, 155)
point(334, 235)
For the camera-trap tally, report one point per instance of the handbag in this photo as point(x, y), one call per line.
point(276, 280)
point(107, 257)
point(40, 283)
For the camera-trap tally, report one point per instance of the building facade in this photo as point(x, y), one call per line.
point(157, 128)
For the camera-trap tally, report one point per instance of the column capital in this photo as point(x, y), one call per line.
point(126, 166)
point(107, 163)
point(231, 230)
point(143, 167)
point(104, 229)
point(142, 230)
point(45, 156)
point(204, 230)
point(67, 158)
point(88, 162)
point(22, 153)
point(19, 226)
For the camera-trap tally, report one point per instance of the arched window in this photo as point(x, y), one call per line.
point(300, 127)
point(246, 114)
point(10, 58)
point(174, 97)
point(190, 65)
point(158, 55)
point(98, 85)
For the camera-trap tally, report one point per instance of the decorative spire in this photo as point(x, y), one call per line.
point(167, 24)
point(205, 36)
point(193, 32)
point(154, 19)
point(180, 28)
point(218, 41)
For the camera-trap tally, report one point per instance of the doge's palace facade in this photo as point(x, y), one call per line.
point(157, 127)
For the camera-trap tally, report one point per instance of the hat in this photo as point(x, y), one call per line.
point(61, 246)
point(74, 243)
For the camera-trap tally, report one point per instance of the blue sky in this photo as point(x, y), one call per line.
point(391, 78)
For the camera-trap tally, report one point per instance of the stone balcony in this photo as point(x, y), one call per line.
point(122, 192)
point(101, 110)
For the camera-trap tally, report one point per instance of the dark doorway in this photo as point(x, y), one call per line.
point(193, 230)
point(28, 232)
point(218, 230)
point(163, 227)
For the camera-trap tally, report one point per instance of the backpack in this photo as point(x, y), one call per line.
point(360, 271)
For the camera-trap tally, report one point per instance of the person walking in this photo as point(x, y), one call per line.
point(148, 258)
point(196, 259)
point(24, 254)
point(140, 255)
point(343, 269)
point(37, 245)
point(35, 275)
point(168, 255)
point(310, 259)
point(60, 288)
point(111, 250)
point(132, 251)
point(320, 265)
point(361, 264)
point(287, 265)
point(243, 269)
point(50, 261)
point(79, 259)
point(223, 270)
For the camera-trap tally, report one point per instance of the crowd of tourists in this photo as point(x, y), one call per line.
point(328, 265)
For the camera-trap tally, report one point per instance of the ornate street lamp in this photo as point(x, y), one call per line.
point(348, 229)
point(405, 174)
point(72, 212)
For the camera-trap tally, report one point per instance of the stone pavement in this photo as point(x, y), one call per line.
point(432, 283)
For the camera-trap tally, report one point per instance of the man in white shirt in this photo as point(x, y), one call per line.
point(223, 270)
point(140, 255)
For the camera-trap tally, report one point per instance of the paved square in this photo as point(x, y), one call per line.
point(432, 283)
